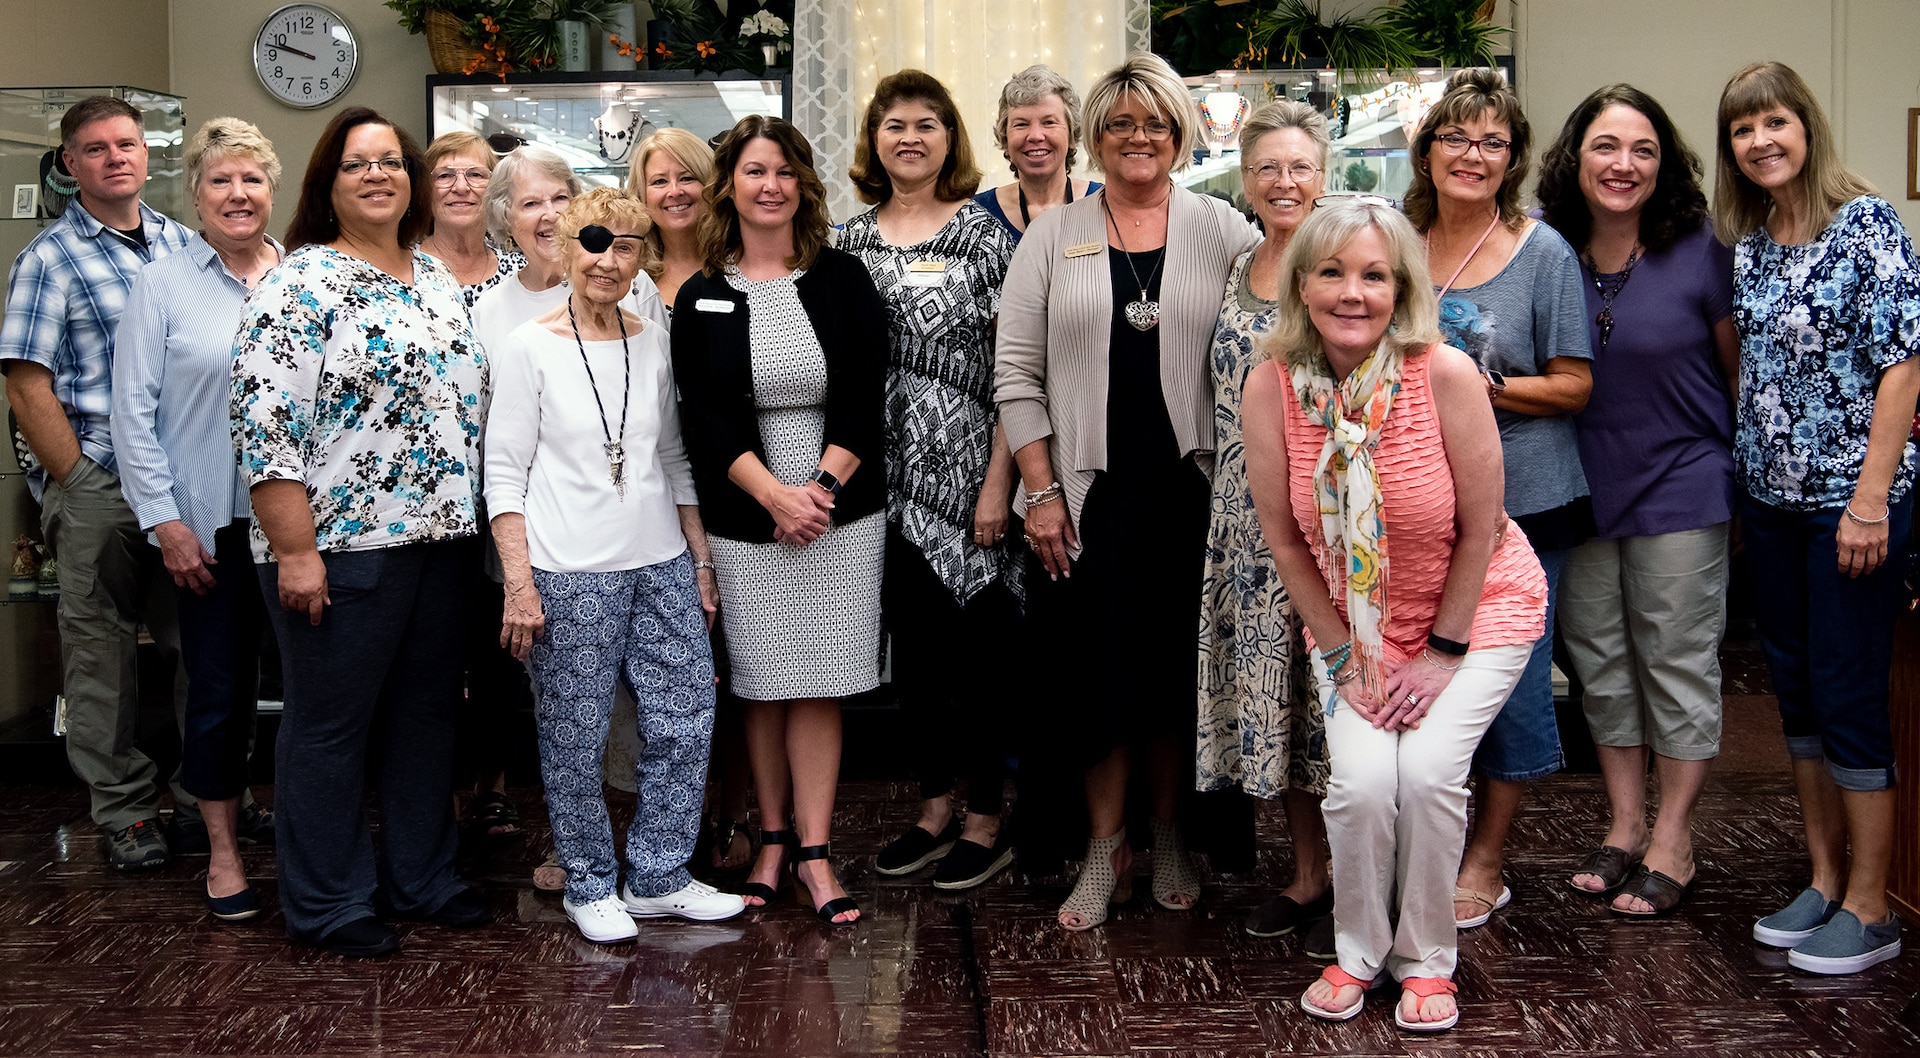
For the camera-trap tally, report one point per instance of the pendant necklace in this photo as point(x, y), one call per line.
point(1026, 220)
point(1143, 314)
point(1605, 319)
point(616, 451)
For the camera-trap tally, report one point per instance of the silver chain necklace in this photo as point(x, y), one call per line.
point(1143, 314)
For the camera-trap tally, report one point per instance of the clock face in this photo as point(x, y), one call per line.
point(305, 55)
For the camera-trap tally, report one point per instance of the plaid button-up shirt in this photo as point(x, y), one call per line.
point(64, 300)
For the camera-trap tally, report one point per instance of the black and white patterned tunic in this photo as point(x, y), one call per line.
point(802, 622)
point(942, 296)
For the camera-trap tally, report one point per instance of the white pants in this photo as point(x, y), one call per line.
point(1396, 812)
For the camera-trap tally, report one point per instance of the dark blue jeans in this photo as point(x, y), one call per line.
point(371, 693)
point(1828, 637)
point(220, 647)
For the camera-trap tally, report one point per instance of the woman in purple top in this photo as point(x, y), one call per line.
point(1643, 605)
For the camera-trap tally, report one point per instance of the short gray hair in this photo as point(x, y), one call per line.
point(1147, 76)
point(496, 203)
point(1029, 88)
point(1329, 228)
point(221, 138)
point(1287, 114)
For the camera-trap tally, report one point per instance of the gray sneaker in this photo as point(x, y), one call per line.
point(139, 847)
point(1846, 945)
point(1797, 921)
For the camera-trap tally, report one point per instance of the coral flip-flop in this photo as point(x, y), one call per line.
point(1339, 978)
point(1425, 987)
point(1491, 904)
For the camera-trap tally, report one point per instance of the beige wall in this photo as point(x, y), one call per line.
point(84, 42)
point(212, 44)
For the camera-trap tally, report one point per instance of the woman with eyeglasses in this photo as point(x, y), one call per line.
point(1643, 604)
point(607, 572)
point(1037, 127)
point(1366, 436)
point(1826, 300)
point(357, 388)
point(1511, 296)
point(1258, 729)
point(1104, 394)
point(459, 164)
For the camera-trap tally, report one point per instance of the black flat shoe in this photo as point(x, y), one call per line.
point(915, 849)
point(1283, 914)
point(970, 864)
point(465, 909)
point(239, 907)
point(363, 938)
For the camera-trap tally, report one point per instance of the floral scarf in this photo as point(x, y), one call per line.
point(1348, 487)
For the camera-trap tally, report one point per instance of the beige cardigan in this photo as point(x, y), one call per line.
point(1056, 311)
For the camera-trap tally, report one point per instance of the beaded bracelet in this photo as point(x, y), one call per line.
point(1046, 495)
point(1337, 656)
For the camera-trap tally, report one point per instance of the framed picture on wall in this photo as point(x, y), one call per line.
point(1913, 153)
point(26, 198)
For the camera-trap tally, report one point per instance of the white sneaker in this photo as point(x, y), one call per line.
point(603, 921)
point(697, 901)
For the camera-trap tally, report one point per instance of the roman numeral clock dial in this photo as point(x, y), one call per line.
point(306, 55)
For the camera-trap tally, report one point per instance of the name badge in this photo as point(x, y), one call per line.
point(713, 305)
point(924, 279)
point(926, 266)
point(1085, 249)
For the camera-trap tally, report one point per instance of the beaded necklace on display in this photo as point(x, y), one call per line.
point(616, 450)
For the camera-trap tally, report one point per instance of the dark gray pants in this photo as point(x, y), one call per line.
point(371, 693)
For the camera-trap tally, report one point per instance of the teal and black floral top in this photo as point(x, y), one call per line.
point(369, 390)
point(1818, 323)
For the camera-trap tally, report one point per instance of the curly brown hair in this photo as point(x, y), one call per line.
point(1677, 206)
point(720, 228)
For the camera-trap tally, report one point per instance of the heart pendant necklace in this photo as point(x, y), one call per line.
point(1144, 314)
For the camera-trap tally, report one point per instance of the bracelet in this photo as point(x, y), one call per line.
point(1857, 520)
point(1342, 681)
point(1050, 493)
point(1427, 656)
point(1444, 645)
point(700, 564)
point(1337, 656)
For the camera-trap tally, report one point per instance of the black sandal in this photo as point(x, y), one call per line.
point(493, 815)
point(1609, 863)
point(760, 890)
point(839, 905)
point(1662, 893)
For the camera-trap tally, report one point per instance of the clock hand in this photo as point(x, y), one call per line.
point(280, 41)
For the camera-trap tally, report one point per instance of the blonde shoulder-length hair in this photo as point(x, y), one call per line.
point(1416, 311)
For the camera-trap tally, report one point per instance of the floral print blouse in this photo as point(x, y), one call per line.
point(1818, 323)
point(369, 390)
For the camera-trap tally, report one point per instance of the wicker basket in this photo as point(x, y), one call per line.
point(447, 44)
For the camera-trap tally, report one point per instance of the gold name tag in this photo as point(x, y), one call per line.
point(926, 266)
point(1085, 249)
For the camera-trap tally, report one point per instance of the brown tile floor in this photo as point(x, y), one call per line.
point(91, 962)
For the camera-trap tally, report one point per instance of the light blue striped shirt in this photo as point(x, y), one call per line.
point(172, 385)
point(63, 303)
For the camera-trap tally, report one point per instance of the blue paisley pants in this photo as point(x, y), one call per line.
point(644, 626)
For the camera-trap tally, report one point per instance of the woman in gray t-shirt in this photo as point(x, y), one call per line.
point(1511, 298)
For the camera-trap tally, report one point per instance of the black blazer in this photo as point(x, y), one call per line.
point(713, 366)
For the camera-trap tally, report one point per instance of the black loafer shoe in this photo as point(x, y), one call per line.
point(239, 907)
point(970, 864)
point(465, 909)
point(363, 938)
point(915, 849)
point(1283, 915)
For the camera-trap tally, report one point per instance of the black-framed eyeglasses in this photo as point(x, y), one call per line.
point(595, 238)
point(356, 166)
point(1456, 143)
point(1154, 128)
point(505, 142)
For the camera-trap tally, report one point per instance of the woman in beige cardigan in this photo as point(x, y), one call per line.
point(1103, 387)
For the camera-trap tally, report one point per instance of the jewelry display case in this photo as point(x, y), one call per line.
point(594, 120)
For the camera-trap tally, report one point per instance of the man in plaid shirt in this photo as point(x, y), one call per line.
point(56, 347)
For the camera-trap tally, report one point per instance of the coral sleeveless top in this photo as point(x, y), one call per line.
point(1416, 487)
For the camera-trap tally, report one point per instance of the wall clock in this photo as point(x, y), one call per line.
point(306, 55)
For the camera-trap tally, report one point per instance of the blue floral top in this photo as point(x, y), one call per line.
point(369, 390)
point(1818, 323)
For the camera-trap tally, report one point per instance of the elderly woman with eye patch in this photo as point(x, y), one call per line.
point(608, 574)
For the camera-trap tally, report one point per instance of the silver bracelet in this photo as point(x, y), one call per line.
point(700, 564)
point(1857, 520)
point(1051, 492)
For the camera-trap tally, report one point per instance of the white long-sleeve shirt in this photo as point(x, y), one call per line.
point(546, 453)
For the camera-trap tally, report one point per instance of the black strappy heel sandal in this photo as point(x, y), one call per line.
point(763, 892)
point(839, 905)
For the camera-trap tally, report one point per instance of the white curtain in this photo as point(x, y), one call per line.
point(843, 47)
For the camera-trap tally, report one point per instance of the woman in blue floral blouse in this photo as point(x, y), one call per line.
point(357, 396)
point(1827, 304)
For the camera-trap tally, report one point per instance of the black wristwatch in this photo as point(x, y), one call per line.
point(1496, 382)
point(826, 481)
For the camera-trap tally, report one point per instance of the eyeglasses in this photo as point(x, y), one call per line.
point(1268, 172)
point(1154, 128)
point(1354, 198)
point(356, 166)
point(446, 178)
point(595, 238)
point(1455, 143)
